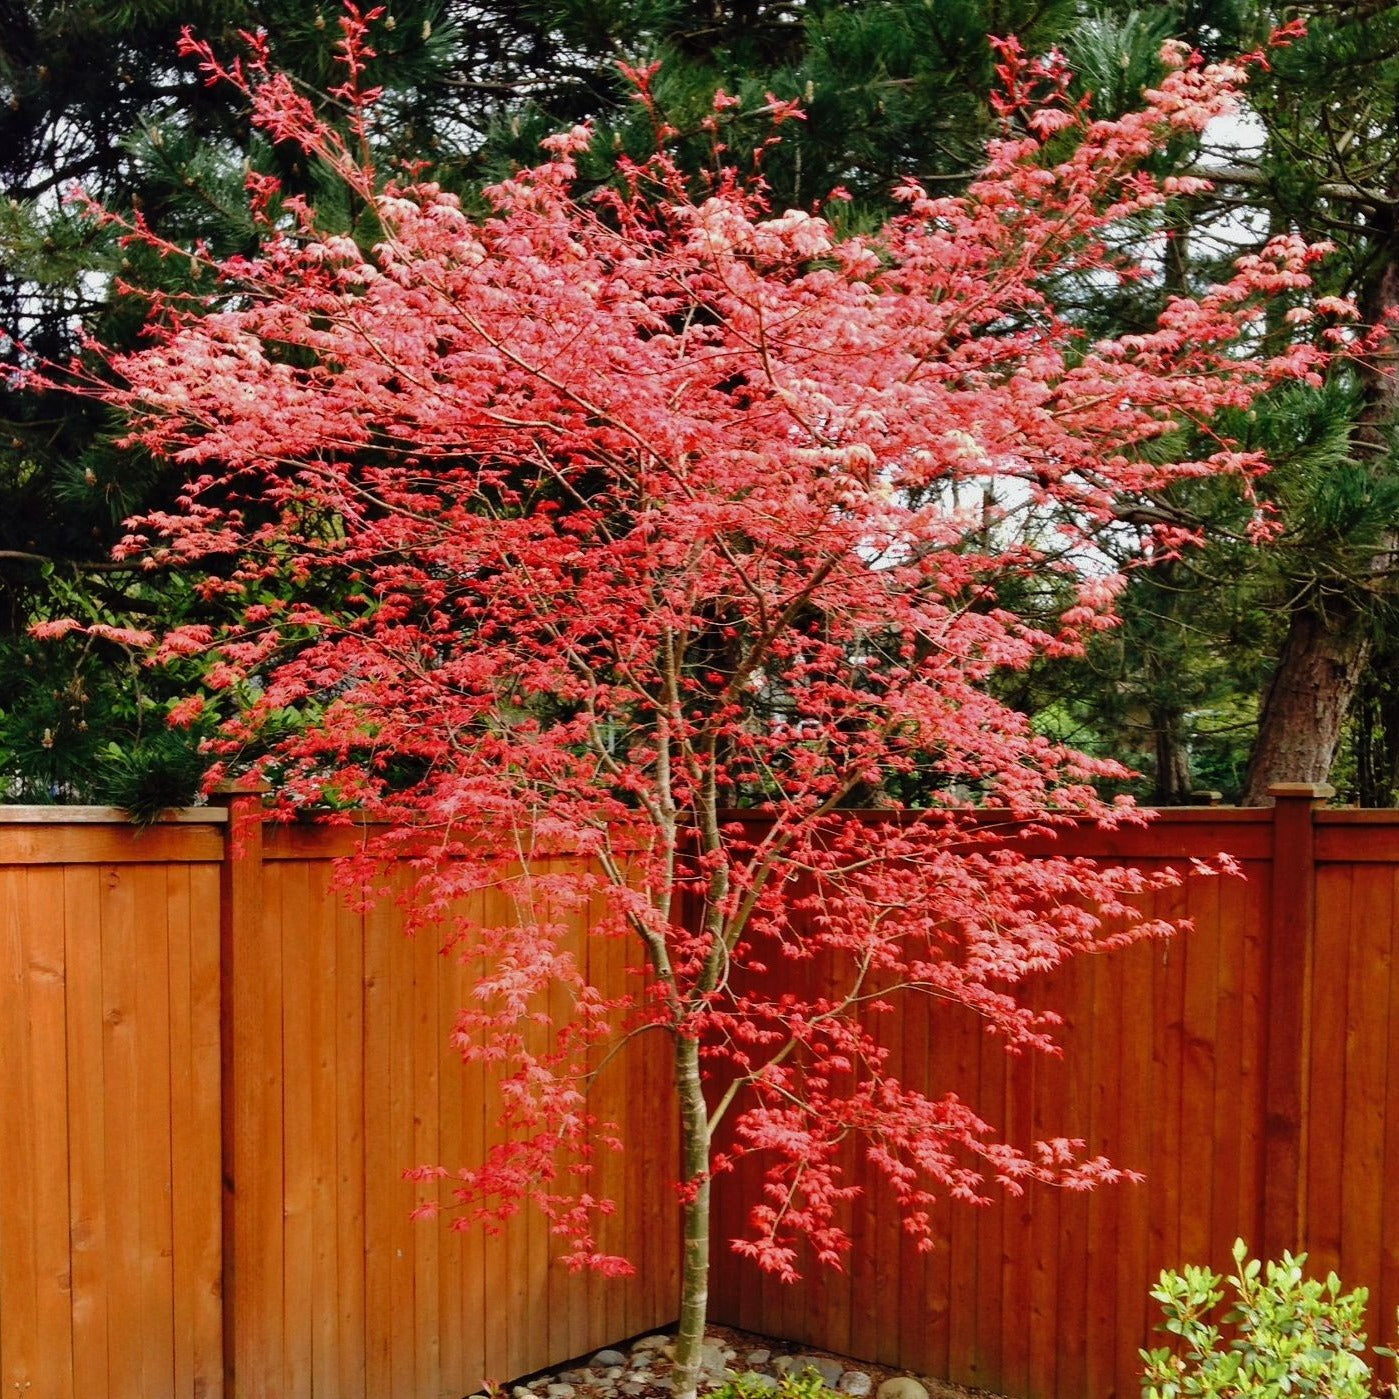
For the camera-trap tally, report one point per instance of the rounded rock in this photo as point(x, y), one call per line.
point(901, 1387)
point(829, 1370)
point(605, 1359)
point(855, 1383)
point(560, 1391)
point(757, 1357)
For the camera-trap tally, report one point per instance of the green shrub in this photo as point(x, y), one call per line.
point(807, 1385)
point(1283, 1335)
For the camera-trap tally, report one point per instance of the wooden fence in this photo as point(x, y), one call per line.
point(1250, 1069)
point(212, 1073)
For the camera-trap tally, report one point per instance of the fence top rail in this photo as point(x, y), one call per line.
point(105, 816)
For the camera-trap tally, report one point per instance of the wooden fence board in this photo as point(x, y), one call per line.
point(20, 1361)
point(93, 1274)
point(1387, 1292)
point(1326, 1089)
point(121, 1177)
point(1166, 1069)
point(119, 1041)
point(45, 972)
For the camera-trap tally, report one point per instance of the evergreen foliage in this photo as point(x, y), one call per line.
point(888, 88)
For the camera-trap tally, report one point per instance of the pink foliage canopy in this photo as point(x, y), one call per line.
point(573, 527)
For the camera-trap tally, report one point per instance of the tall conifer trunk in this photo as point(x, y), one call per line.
point(1330, 638)
point(1307, 700)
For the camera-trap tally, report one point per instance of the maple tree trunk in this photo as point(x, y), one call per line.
point(694, 1265)
point(1306, 702)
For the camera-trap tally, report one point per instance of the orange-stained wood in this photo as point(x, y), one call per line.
point(162, 1006)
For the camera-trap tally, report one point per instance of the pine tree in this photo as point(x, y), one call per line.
point(97, 94)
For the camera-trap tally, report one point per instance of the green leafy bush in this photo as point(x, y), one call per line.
point(807, 1385)
point(1284, 1335)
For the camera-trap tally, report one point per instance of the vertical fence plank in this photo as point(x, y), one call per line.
point(380, 1304)
point(1366, 1042)
point(352, 1325)
point(1135, 1152)
point(324, 1070)
point(185, 1124)
point(299, 970)
point(121, 1174)
point(452, 992)
point(92, 1270)
point(1104, 1245)
point(1320, 1167)
point(1074, 998)
point(152, 1127)
point(1387, 1293)
point(1230, 1103)
point(1290, 962)
point(108, 1259)
point(250, 1017)
point(426, 1150)
point(201, 1185)
point(475, 1294)
point(48, 1126)
point(20, 1361)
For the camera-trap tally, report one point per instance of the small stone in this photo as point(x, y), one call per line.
point(855, 1383)
point(576, 1376)
point(607, 1358)
point(520, 1392)
point(901, 1387)
point(641, 1375)
point(755, 1382)
point(758, 1357)
point(784, 1365)
point(613, 1372)
point(654, 1342)
point(714, 1353)
point(633, 1387)
point(829, 1370)
point(560, 1391)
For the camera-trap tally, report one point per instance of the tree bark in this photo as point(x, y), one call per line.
point(1330, 639)
point(1376, 717)
point(694, 1263)
point(1322, 662)
point(1173, 781)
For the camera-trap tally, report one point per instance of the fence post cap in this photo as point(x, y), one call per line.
point(1301, 791)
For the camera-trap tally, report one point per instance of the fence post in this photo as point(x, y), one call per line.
point(240, 937)
point(1291, 944)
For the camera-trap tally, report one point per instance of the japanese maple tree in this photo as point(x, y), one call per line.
point(578, 526)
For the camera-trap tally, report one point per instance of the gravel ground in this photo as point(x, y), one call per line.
point(640, 1369)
